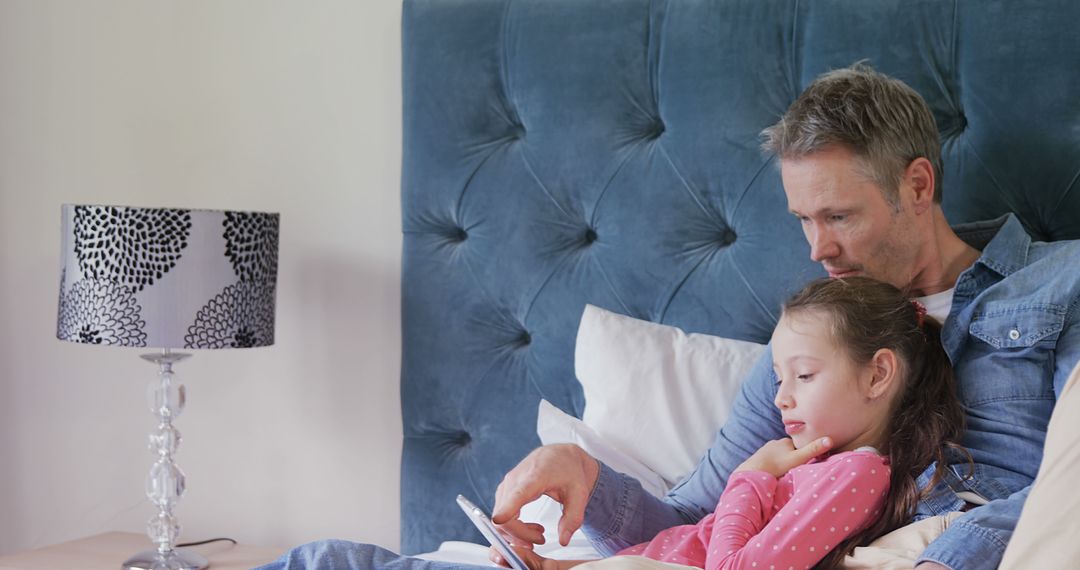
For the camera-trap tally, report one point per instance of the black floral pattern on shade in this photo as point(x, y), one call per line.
point(100, 312)
point(251, 244)
point(132, 246)
point(241, 316)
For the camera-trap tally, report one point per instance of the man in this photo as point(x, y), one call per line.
point(861, 168)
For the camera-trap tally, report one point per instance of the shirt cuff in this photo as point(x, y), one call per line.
point(606, 510)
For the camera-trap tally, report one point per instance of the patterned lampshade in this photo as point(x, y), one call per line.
point(167, 278)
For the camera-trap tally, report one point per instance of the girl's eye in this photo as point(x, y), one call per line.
point(805, 377)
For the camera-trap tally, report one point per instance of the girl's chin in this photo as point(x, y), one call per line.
point(800, 440)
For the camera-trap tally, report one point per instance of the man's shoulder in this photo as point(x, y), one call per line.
point(1045, 269)
point(1012, 246)
point(1051, 267)
point(1067, 249)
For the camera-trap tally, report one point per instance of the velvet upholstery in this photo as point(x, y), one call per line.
point(564, 152)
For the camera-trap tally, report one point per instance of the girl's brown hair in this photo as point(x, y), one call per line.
point(926, 417)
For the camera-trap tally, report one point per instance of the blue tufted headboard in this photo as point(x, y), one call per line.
point(564, 152)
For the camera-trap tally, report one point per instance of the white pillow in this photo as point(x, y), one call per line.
point(655, 393)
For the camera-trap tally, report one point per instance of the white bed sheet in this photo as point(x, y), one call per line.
point(469, 553)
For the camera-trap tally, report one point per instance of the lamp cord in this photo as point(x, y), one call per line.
point(201, 542)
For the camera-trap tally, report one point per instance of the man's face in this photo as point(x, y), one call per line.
point(850, 226)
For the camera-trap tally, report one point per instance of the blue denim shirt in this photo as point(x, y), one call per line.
point(1013, 340)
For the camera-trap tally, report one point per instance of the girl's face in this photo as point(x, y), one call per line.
point(821, 390)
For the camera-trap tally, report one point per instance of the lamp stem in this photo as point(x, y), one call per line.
point(165, 483)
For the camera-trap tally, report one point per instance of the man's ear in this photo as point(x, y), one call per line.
point(886, 372)
point(919, 176)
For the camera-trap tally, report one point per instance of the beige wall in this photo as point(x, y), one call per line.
point(286, 106)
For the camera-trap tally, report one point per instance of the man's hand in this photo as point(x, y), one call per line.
point(563, 472)
point(931, 566)
point(779, 456)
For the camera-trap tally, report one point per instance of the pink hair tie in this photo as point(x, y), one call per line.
point(920, 312)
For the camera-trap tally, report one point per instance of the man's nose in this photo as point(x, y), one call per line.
point(822, 244)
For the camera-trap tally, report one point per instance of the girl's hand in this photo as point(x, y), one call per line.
point(779, 456)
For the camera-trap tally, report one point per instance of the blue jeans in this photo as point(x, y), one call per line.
point(342, 554)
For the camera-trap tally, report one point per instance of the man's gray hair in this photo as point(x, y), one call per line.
point(882, 120)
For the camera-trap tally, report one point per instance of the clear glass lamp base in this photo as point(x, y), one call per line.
point(172, 560)
point(165, 483)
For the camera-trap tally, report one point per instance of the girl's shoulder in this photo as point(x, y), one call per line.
point(859, 462)
point(841, 474)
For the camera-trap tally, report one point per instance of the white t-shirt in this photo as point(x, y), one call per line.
point(938, 305)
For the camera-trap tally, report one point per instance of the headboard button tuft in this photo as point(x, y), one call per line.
point(725, 238)
point(657, 129)
point(955, 126)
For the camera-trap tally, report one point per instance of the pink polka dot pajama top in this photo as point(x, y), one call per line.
point(790, 522)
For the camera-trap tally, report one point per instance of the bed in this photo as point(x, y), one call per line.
point(564, 153)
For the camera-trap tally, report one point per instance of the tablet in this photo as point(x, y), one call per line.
point(487, 528)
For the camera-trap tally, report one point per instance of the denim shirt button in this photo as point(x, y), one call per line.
point(1014, 334)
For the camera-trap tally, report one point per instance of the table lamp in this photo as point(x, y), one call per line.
point(167, 278)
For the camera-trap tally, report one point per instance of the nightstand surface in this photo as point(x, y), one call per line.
point(109, 550)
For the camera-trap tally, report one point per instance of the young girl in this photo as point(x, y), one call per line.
point(861, 372)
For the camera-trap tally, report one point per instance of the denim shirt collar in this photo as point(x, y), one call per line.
point(1003, 241)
